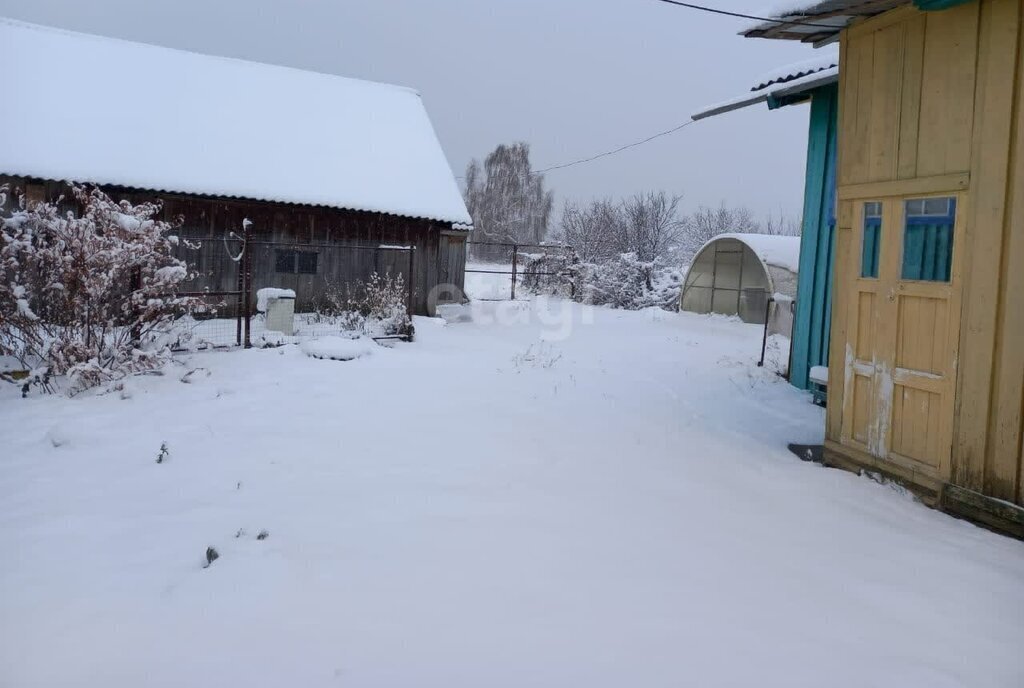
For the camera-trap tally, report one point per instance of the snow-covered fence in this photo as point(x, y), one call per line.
point(537, 268)
point(351, 288)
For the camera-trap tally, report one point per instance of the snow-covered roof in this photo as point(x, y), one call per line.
point(778, 251)
point(814, 21)
point(85, 108)
point(795, 70)
point(788, 80)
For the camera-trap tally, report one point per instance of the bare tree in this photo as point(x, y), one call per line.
point(707, 223)
point(650, 225)
point(507, 200)
point(646, 225)
point(783, 225)
point(590, 229)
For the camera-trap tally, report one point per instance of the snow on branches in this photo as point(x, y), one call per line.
point(88, 294)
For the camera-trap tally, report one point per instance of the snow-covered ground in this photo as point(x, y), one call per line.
point(550, 495)
point(490, 284)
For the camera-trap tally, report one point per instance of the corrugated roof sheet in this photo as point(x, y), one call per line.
point(787, 81)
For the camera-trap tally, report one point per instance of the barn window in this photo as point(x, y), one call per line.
point(928, 239)
point(285, 262)
point(871, 239)
point(296, 262)
point(307, 261)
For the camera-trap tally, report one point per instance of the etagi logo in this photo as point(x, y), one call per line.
point(557, 317)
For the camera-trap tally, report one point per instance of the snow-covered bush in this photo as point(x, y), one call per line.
point(553, 274)
point(376, 307)
point(626, 282)
point(87, 294)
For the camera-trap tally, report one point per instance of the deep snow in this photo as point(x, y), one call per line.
point(505, 502)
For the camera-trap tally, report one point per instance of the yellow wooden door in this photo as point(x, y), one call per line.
point(903, 325)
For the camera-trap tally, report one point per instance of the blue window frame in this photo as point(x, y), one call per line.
point(872, 239)
point(928, 239)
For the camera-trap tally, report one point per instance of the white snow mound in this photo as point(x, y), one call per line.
point(337, 348)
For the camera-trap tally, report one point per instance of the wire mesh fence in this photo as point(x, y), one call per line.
point(346, 289)
point(496, 271)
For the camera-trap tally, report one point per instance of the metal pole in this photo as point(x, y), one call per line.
point(515, 261)
point(410, 306)
point(240, 288)
point(764, 339)
point(247, 284)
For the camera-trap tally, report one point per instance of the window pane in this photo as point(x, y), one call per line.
point(871, 240)
point(284, 261)
point(928, 239)
point(728, 256)
point(307, 263)
point(936, 206)
point(753, 305)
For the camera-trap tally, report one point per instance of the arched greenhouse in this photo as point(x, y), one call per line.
point(740, 274)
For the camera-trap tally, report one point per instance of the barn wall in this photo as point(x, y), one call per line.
point(327, 231)
point(933, 102)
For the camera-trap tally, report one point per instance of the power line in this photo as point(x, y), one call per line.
point(713, 10)
point(616, 150)
point(605, 154)
point(674, 129)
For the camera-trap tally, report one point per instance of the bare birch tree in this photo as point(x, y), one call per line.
point(507, 200)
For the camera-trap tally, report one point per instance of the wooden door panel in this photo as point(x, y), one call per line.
point(902, 339)
point(864, 351)
point(921, 334)
point(916, 425)
point(862, 403)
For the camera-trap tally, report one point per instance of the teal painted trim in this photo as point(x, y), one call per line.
point(935, 5)
point(776, 102)
point(813, 316)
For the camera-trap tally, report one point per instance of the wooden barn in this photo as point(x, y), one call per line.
point(338, 177)
point(926, 371)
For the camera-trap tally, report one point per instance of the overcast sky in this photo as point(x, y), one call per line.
point(571, 77)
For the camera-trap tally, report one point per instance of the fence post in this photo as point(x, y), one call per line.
point(411, 307)
point(515, 261)
point(247, 283)
point(240, 288)
point(764, 338)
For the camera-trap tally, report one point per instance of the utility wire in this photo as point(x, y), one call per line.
point(713, 10)
point(616, 150)
point(692, 6)
point(605, 154)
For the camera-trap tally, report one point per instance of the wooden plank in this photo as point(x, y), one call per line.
point(886, 79)
point(910, 94)
point(847, 106)
point(862, 52)
point(881, 21)
point(909, 473)
point(947, 90)
point(984, 509)
point(945, 183)
point(838, 340)
point(1005, 460)
point(984, 250)
point(813, 232)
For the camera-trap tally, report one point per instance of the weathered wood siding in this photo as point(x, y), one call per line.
point(933, 103)
point(331, 233)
